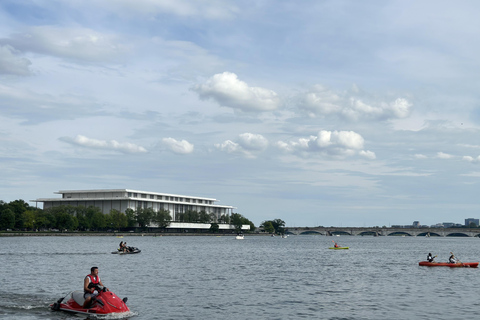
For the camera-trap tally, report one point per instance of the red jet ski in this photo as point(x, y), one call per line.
point(447, 264)
point(106, 302)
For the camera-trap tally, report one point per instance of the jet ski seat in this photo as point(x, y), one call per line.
point(78, 297)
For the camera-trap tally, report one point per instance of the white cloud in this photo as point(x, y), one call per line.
point(228, 91)
point(442, 155)
point(111, 145)
point(248, 145)
point(420, 156)
point(472, 159)
point(11, 63)
point(178, 147)
point(72, 43)
point(329, 143)
point(251, 141)
point(368, 154)
point(206, 9)
point(320, 101)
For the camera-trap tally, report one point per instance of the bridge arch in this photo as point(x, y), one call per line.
point(368, 233)
point(428, 234)
point(307, 232)
point(399, 233)
point(340, 233)
point(456, 234)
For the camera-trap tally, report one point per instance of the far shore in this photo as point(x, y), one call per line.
point(118, 235)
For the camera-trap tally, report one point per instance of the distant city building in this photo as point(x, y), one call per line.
point(416, 224)
point(122, 199)
point(470, 221)
point(448, 224)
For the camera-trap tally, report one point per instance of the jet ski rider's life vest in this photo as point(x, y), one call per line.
point(94, 281)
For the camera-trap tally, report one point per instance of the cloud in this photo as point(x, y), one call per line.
point(33, 107)
point(339, 144)
point(251, 141)
point(441, 155)
point(85, 142)
point(71, 43)
point(178, 147)
point(320, 101)
point(248, 144)
point(472, 159)
point(228, 91)
point(420, 156)
point(368, 154)
point(11, 63)
point(205, 9)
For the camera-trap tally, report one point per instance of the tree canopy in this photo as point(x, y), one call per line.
point(276, 226)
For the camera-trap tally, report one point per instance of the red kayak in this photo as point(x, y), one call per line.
point(106, 302)
point(451, 265)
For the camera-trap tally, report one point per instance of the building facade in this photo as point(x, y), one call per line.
point(468, 221)
point(123, 199)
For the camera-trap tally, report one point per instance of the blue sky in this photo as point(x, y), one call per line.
point(343, 113)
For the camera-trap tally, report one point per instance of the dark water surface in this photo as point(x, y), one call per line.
point(256, 278)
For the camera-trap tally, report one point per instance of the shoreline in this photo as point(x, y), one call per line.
point(118, 235)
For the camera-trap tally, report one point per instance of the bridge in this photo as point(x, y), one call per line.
point(380, 231)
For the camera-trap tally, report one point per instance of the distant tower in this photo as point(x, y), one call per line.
point(416, 224)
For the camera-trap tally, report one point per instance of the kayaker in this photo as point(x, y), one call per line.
point(90, 283)
point(430, 258)
point(452, 259)
point(336, 245)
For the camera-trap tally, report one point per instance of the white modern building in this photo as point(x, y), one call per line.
point(122, 199)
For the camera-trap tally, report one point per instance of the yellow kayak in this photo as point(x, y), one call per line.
point(338, 248)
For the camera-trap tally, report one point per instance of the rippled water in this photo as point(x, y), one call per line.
point(256, 278)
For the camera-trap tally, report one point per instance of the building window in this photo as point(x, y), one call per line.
point(159, 197)
point(144, 196)
point(129, 194)
point(152, 196)
point(135, 195)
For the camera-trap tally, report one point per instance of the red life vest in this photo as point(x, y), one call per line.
point(93, 280)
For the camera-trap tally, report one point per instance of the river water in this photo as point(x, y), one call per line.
point(201, 277)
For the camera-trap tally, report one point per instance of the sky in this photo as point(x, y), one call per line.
point(319, 113)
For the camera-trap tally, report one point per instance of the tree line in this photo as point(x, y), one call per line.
point(19, 215)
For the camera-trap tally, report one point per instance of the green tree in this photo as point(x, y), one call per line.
point(116, 219)
point(7, 219)
point(162, 218)
point(214, 227)
point(98, 221)
point(144, 216)
point(278, 226)
point(224, 219)
point(203, 217)
point(131, 219)
point(65, 221)
point(83, 222)
point(28, 218)
point(44, 220)
point(18, 207)
point(268, 226)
